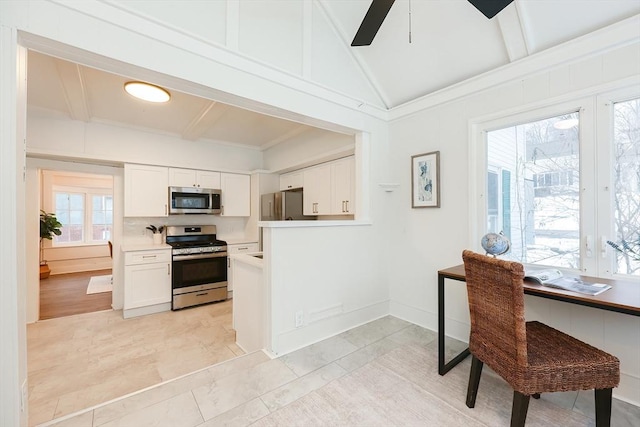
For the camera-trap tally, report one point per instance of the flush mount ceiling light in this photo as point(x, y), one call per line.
point(147, 92)
point(566, 124)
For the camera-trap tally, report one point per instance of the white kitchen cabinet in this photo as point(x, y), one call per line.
point(317, 190)
point(329, 189)
point(194, 178)
point(249, 313)
point(147, 282)
point(343, 186)
point(146, 191)
point(291, 180)
point(237, 249)
point(236, 194)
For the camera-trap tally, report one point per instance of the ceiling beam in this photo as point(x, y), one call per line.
point(204, 120)
point(74, 89)
point(286, 136)
point(512, 32)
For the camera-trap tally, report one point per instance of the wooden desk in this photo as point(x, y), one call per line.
point(623, 297)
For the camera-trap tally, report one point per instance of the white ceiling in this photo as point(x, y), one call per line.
point(451, 42)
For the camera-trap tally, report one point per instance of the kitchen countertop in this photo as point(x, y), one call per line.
point(143, 247)
point(248, 258)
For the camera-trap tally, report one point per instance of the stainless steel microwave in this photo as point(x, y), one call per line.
point(188, 200)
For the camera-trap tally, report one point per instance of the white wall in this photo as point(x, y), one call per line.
point(108, 37)
point(329, 274)
point(104, 143)
point(432, 239)
point(311, 147)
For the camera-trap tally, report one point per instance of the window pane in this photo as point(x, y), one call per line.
point(102, 217)
point(76, 201)
point(540, 210)
point(626, 179)
point(492, 202)
point(70, 213)
point(62, 201)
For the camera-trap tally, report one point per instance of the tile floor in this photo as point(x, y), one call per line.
point(382, 373)
point(80, 361)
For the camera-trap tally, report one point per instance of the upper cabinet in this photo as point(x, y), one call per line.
point(146, 191)
point(194, 178)
point(343, 186)
point(329, 189)
point(291, 180)
point(236, 194)
point(317, 190)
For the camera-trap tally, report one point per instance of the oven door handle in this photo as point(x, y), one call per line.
point(179, 258)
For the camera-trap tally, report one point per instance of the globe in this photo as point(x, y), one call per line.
point(495, 243)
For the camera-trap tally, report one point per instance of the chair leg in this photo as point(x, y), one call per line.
point(519, 409)
point(603, 407)
point(474, 381)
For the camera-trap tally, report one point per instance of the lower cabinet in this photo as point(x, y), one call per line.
point(237, 249)
point(147, 282)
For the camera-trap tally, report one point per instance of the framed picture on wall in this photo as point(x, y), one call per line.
point(425, 180)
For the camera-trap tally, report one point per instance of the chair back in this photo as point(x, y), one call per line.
point(496, 307)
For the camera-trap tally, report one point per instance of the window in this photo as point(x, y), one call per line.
point(563, 183)
point(70, 212)
point(546, 220)
point(86, 217)
point(626, 188)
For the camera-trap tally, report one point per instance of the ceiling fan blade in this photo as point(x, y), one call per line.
point(490, 8)
point(372, 22)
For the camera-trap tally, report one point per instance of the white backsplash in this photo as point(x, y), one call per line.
point(135, 232)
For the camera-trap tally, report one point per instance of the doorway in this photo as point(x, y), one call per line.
point(80, 258)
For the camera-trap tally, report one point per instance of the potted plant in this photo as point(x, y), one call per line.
point(49, 227)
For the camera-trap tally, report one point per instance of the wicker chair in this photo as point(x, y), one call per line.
point(532, 357)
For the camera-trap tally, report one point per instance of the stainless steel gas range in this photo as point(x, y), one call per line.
point(199, 262)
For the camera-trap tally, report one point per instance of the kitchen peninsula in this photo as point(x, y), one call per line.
point(249, 301)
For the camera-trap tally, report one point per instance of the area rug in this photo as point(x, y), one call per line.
point(99, 284)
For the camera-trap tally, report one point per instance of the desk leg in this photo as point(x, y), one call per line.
point(443, 367)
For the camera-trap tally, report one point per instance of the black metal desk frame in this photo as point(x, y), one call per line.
point(444, 367)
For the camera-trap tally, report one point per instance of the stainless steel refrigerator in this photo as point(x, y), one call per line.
point(282, 206)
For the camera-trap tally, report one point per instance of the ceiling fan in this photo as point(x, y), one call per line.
point(380, 8)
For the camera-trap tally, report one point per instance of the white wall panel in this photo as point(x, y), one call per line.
point(621, 63)
point(271, 31)
point(432, 239)
point(330, 275)
point(203, 19)
point(333, 64)
point(107, 143)
point(587, 73)
point(311, 146)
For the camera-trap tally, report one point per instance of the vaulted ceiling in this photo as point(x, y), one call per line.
point(451, 41)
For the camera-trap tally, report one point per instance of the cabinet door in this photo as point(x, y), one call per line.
point(182, 177)
point(208, 179)
point(236, 194)
point(147, 284)
point(343, 187)
point(317, 190)
point(290, 181)
point(237, 249)
point(146, 191)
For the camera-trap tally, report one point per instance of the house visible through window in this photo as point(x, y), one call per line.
point(565, 199)
point(540, 209)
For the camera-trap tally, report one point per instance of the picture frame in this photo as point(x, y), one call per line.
point(425, 180)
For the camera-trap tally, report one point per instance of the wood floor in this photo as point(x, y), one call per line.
point(66, 294)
